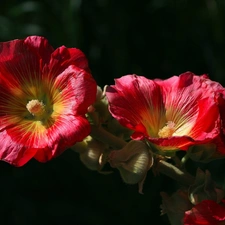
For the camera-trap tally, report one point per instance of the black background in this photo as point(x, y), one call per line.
point(154, 38)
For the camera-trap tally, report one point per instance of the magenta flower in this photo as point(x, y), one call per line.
point(45, 94)
point(172, 114)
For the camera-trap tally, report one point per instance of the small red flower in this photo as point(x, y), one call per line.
point(172, 114)
point(207, 212)
point(44, 95)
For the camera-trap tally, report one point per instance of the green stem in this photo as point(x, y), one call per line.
point(106, 137)
point(175, 173)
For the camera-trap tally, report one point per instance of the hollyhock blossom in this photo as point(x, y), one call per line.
point(207, 212)
point(44, 96)
point(172, 114)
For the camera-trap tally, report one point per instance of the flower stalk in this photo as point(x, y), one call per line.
point(174, 173)
point(106, 137)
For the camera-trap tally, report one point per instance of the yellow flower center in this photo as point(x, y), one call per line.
point(168, 130)
point(36, 108)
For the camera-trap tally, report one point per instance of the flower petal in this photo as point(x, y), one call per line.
point(137, 103)
point(13, 152)
point(78, 89)
point(66, 132)
point(63, 57)
point(21, 61)
point(207, 212)
point(40, 46)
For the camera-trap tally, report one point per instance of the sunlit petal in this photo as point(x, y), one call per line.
point(44, 96)
point(172, 114)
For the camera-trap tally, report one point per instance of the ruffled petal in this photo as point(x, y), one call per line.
point(40, 46)
point(78, 90)
point(63, 57)
point(206, 129)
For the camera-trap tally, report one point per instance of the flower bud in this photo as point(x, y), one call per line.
point(101, 106)
point(204, 189)
point(133, 162)
point(98, 112)
point(90, 151)
point(99, 94)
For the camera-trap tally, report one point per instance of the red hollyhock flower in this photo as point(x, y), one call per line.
point(207, 212)
point(172, 114)
point(44, 95)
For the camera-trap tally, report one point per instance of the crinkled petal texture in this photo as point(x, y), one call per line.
point(220, 99)
point(172, 114)
point(207, 212)
point(44, 95)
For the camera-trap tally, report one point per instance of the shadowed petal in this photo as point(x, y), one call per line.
point(63, 57)
point(207, 212)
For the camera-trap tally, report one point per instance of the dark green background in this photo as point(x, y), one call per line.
point(154, 38)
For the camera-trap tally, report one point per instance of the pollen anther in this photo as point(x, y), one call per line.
point(168, 130)
point(36, 107)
